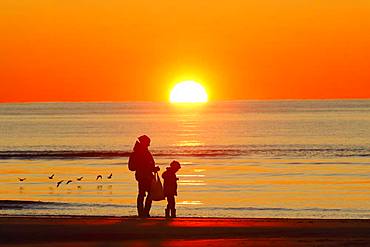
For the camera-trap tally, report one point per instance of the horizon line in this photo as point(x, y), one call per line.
point(161, 101)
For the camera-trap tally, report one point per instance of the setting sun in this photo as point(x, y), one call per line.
point(188, 92)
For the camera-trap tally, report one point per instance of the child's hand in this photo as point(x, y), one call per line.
point(156, 169)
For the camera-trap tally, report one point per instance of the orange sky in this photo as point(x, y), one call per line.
point(111, 50)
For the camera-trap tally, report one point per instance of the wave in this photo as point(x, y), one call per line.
point(69, 154)
point(14, 204)
point(313, 209)
point(24, 204)
point(274, 209)
point(63, 154)
point(194, 152)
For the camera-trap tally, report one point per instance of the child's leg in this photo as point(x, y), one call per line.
point(171, 205)
point(170, 202)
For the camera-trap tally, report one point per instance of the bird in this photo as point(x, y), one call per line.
point(61, 181)
point(99, 176)
point(110, 176)
point(51, 177)
point(69, 181)
point(21, 179)
point(79, 179)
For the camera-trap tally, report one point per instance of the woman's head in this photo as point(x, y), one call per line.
point(144, 140)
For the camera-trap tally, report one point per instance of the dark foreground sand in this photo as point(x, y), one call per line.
point(127, 231)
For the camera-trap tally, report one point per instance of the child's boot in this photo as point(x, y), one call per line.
point(173, 213)
point(167, 213)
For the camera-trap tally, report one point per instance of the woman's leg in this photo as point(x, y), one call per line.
point(148, 199)
point(148, 205)
point(140, 199)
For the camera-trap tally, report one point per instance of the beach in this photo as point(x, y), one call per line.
point(242, 159)
point(131, 231)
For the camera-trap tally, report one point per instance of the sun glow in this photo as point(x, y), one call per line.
point(188, 92)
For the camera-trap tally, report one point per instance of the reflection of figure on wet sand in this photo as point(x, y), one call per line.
point(21, 189)
point(141, 161)
point(99, 187)
point(51, 190)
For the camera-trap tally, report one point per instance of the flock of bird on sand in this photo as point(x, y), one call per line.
point(70, 181)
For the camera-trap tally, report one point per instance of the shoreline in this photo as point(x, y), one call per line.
point(89, 230)
point(87, 216)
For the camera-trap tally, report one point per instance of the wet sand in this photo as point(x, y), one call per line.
point(130, 231)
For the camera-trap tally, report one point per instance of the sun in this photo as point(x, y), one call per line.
point(188, 92)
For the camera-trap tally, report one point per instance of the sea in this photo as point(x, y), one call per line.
point(275, 158)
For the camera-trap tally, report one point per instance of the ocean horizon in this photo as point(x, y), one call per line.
point(245, 158)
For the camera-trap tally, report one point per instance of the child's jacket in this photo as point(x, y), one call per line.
point(169, 182)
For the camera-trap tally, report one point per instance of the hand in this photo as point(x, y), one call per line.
point(156, 169)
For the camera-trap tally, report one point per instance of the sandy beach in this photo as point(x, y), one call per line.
point(88, 231)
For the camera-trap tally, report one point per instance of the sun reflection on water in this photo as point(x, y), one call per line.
point(191, 175)
point(192, 182)
point(190, 203)
point(189, 143)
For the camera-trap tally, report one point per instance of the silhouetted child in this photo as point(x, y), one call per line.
point(170, 187)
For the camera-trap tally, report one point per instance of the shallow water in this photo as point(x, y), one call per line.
point(239, 159)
